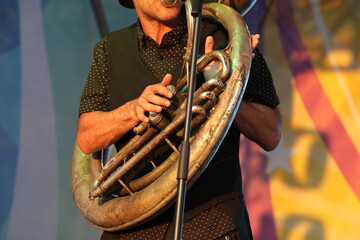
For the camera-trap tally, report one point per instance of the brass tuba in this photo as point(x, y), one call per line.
point(124, 193)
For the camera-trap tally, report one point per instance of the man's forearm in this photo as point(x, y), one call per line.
point(98, 130)
point(260, 124)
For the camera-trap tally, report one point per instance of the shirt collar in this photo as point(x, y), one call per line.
point(176, 36)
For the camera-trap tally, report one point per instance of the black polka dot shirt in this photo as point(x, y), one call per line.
point(161, 59)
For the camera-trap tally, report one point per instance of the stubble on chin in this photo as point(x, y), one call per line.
point(169, 17)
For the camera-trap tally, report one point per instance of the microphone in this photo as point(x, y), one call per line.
point(168, 3)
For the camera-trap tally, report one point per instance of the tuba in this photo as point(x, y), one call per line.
point(132, 187)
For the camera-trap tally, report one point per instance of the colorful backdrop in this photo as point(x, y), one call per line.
point(307, 188)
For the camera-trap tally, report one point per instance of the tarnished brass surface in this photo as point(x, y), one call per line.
point(242, 6)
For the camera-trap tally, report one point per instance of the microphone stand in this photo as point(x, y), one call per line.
point(196, 10)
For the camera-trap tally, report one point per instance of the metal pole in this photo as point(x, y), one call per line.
point(185, 146)
point(100, 17)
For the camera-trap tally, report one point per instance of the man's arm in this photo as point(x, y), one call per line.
point(98, 130)
point(260, 124)
point(257, 122)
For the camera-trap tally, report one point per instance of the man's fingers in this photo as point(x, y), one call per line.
point(209, 44)
point(166, 80)
point(255, 40)
point(157, 89)
point(150, 107)
point(157, 100)
point(142, 117)
point(153, 98)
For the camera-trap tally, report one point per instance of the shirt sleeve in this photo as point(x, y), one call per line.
point(95, 95)
point(260, 87)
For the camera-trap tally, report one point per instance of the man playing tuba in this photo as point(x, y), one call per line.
point(123, 86)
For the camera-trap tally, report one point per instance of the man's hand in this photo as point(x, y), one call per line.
point(152, 99)
point(254, 40)
point(98, 130)
point(214, 68)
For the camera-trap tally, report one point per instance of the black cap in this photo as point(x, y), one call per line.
point(127, 3)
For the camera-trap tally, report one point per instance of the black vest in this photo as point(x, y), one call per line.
point(127, 73)
point(129, 76)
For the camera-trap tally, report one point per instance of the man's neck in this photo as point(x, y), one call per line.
point(156, 30)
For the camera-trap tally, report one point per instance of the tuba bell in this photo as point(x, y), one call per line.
point(132, 187)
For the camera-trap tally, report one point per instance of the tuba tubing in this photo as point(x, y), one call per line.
point(131, 210)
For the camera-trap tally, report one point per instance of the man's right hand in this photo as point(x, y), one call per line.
point(152, 99)
point(98, 130)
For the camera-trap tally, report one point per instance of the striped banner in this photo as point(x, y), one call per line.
point(308, 187)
